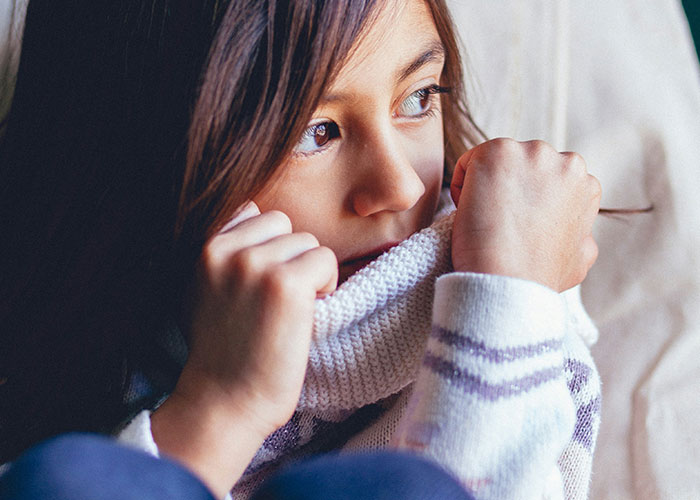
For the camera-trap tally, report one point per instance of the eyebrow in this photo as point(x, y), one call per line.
point(433, 52)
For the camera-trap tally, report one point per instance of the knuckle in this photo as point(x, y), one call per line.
point(574, 162)
point(574, 158)
point(502, 142)
point(504, 146)
point(211, 254)
point(540, 156)
point(245, 263)
point(495, 156)
point(539, 147)
point(278, 283)
point(213, 257)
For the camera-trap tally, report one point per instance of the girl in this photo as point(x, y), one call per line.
point(139, 129)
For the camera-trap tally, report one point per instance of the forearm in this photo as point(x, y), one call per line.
point(491, 401)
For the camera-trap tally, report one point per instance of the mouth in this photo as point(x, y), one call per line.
point(355, 263)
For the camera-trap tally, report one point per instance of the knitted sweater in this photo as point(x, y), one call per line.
point(492, 378)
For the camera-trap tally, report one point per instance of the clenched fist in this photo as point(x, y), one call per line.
point(524, 210)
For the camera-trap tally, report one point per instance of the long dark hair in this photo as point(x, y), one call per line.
point(137, 128)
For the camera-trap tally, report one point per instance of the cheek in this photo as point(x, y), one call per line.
point(306, 199)
point(432, 175)
point(431, 167)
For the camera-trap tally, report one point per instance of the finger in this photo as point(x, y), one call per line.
point(252, 231)
point(281, 248)
point(253, 261)
point(317, 268)
point(460, 172)
point(245, 212)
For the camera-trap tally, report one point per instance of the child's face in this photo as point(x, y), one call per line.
point(368, 171)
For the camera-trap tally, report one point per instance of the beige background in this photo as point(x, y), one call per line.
point(618, 81)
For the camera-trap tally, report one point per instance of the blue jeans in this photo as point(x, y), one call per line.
point(82, 467)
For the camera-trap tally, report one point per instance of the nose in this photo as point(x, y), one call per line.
point(389, 181)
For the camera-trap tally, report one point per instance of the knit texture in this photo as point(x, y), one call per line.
point(350, 364)
point(510, 407)
point(488, 375)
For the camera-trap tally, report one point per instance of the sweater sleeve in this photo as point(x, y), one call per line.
point(137, 434)
point(492, 401)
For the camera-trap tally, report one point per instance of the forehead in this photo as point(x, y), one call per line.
point(402, 31)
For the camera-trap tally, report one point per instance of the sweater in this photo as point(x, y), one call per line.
point(490, 376)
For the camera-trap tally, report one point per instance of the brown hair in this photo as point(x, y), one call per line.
point(460, 130)
point(268, 67)
point(229, 160)
point(136, 130)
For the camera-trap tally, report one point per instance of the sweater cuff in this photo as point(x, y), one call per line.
point(491, 402)
point(498, 310)
point(509, 331)
point(138, 434)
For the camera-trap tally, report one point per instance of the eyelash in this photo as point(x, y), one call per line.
point(430, 90)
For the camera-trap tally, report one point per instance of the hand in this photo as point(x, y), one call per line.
point(253, 313)
point(250, 332)
point(524, 210)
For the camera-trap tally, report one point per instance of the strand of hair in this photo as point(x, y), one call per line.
point(622, 213)
point(625, 211)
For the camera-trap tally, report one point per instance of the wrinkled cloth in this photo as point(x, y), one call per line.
point(88, 467)
point(619, 83)
point(489, 376)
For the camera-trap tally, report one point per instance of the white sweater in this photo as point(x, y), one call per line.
point(502, 392)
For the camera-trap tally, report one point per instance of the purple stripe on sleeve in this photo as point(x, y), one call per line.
point(472, 384)
point(475, 348)
point(585, 419)
point(577, 374)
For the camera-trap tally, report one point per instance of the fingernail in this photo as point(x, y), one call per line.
point(245, 212)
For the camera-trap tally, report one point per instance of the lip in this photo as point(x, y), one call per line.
point(357, 262)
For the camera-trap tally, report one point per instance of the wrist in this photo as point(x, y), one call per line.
point(492, 264)
point(208, 430)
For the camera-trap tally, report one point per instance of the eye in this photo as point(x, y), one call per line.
point(420, 102)
point(316, 137)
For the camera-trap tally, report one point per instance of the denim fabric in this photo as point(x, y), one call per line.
point(82, 467)
point(87, 467)
point(367, 476)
